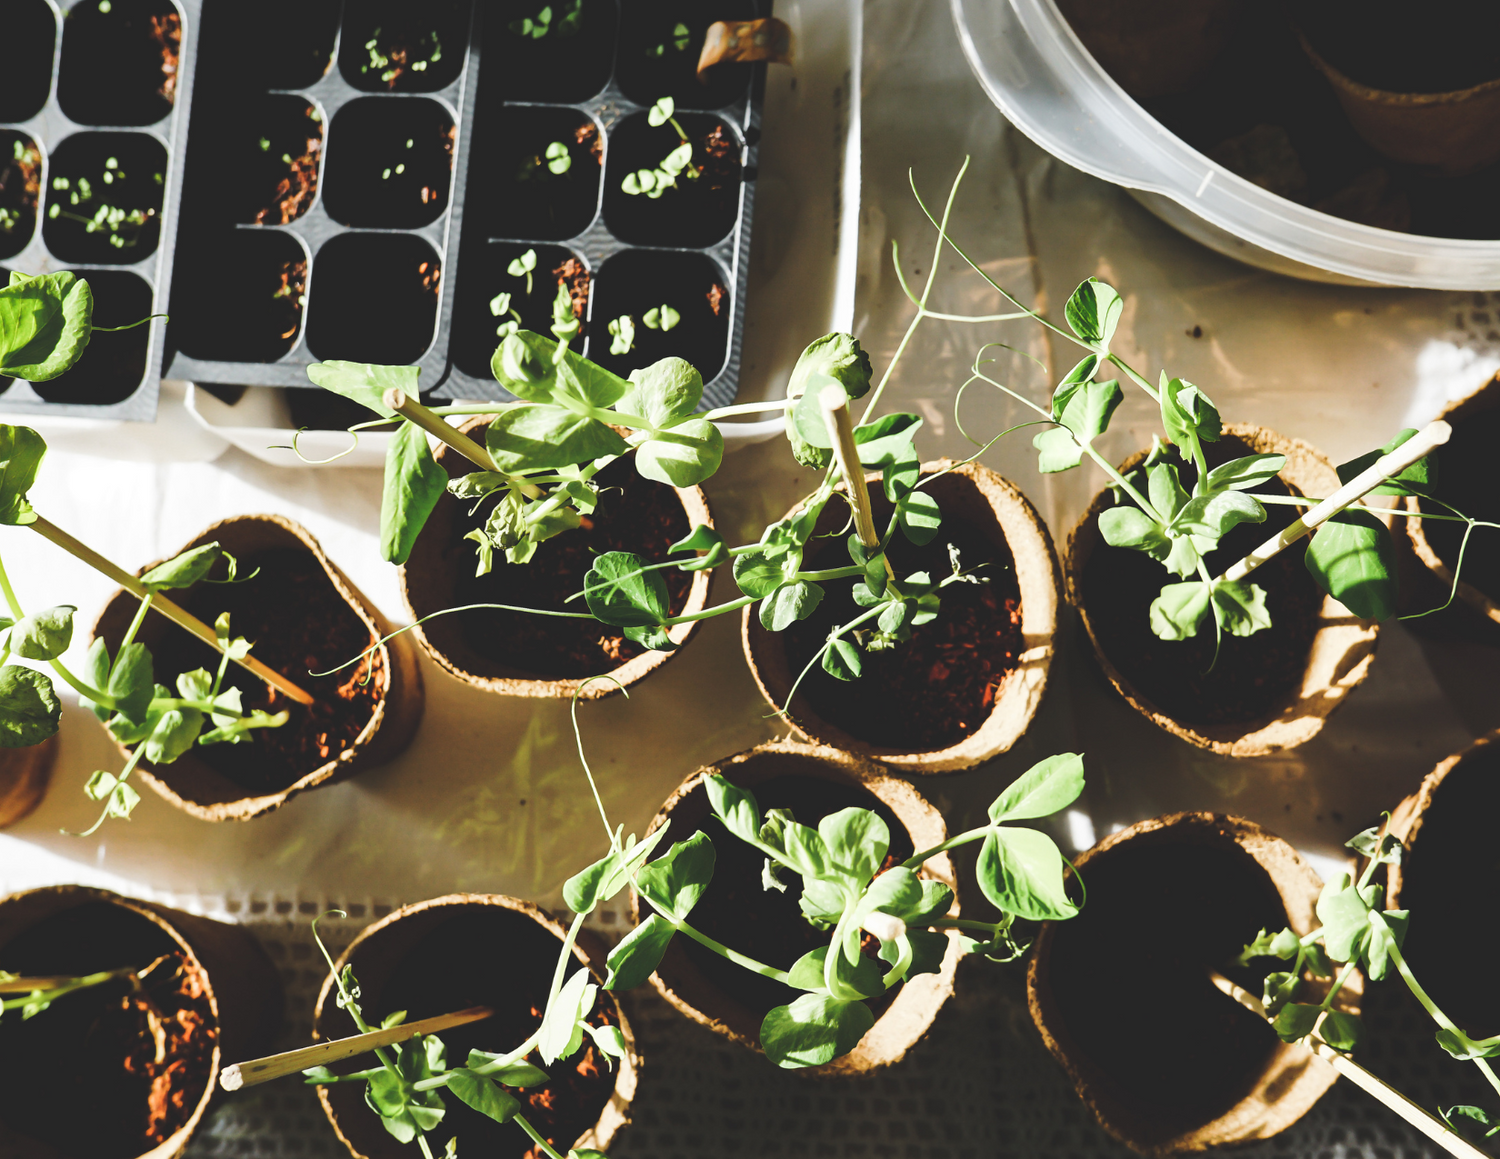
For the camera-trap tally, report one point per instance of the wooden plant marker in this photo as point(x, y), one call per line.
point(263, 1070)
point(835, 404)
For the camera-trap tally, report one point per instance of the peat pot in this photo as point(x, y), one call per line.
point(472, 949)
point(301, 613)
point(219, 997)
point(1122, 996)
point(1266, 692)
point(24, 776)
point(966, 686)
point(736, 909)
point(517, 654)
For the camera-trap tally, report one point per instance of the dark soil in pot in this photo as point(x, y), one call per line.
point(298, 623)
point(1453, 862)
point(20, 188)
point(1441, 46)
point(738, 911)
point(556, 68)
point(522, 197)
point(1161, 915)
point(1182, 678)
point(112, 365)
point(30, 34)
point(698, 212)
point(116, 174)
point(483, 956)
point(633, 514)
point(393, 164)
point(1466, 480)
point(288, 45)
point(377, 299)
point(938, 688)
point(636, 281)
point(399, 46)
point(255, 312)
point(85, 1074)
point(119, 62)
point(656, 61)
point(486, 275)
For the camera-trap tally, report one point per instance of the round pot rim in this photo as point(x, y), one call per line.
point(616, 1111)
point(1241, 1121)
point(25, 775)
point(1347, 641)
point(694, 503)
point(919, 998)
point(1407, 817)
point(1373, 95)
point(254, 805)
point(1023, 687)
point(174, 1144)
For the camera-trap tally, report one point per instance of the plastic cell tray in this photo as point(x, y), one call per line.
point(82, 93)
point(396, 266)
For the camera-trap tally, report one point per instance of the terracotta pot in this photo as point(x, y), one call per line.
point(1448, 862)
point(427, 586)
point(1342, 649)
point(981, 501)
point(194, 786)
point(24, 776)
point(1122, 997)
point(242, 987)
point(1154, 47)
point(457, 951)
point(724, 1008)
point(1482, 607)
point(1456, 132)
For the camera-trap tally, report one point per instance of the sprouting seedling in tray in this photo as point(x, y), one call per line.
point(555, 160)
point(622, 334)
point(522, 267)
point(681, 36)
point(565, 17)
point(123, 226)
point(676, 164)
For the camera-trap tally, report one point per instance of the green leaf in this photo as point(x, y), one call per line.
point(1341, 1031)
point(898, 477)
point(857, 841)
point(1250, 471)
point(1345, 916)
point(476, 484)
point(1241, 607)
point(928, 949)
point(122, 801)
point(1352, 558)
point(607, 876)
point(1213, 515)
point(664, 393)
point(173, 735)
point(130, 681)
point(1418, 479)
point(1128, 526)
point(734, 806)
point(887, 440)
point(42, 635)
point(413, 484)
point(1296, 1020)
point(481, 1093)
point(366, 383)
point(1165, 490)
point(21, 452)
point(842, 660)
point(394, 1018)
point(184, 570)
point(619, 593)
point(1477, 1114)
point(29, 709)
point(96, 673)
point(1387, 928)
point(560, 1034)
point(1021, 872)
point(1093, 312)
point(1083, 372)
point(788, 604)
point(702, 538)
point(1040, 791)
point(683, 456)
point(919, 517)
point(838, 357)
point(674, 882)
point(45, 323)
point(527, 365)
point(1464, 1048)
point(1279, 989)
point(1086, 414)
point(1177, 613)
point(608, 1040)
point(639, 953)
point(760, 572)
point(1187, 415)
point(813, 1030)
point(807, 412)
point(528, 437)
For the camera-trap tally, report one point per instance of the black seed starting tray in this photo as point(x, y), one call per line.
point(92, 119)
point(364, 177)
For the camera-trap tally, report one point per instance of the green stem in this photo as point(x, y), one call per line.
point(1136, 378)
point(744, 408)
point(135, 626)
point(135, 758)
point(734, 956)
point(964, 924)
point(917, 859)
point(536, 1138)
point(706, 613)
point(1123, 483)
point(422, 1142)
point(77, 685)
point(1338, 984)
point(83, 983)
point(833, 573)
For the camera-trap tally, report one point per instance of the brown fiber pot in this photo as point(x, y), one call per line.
point(1485, 399)
point(190, 783)
point(1174, 898)
point(394, 947)
point(24, 776)
point(1152, 48)
point(1456, 132)
point(427, 582)
point(1343, 647)
point(983, 501)
point(1449, 861)
point(244, 991)
point(684, 985)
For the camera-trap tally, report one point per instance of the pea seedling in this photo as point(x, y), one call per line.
point(1358, 933)
point(622, 334)
point(123, 226)
point(523, 267)
point(393, 60)
point(661, 318)
point(677, 163)
point(555, 160)
point(679, 40)
point(566, 21)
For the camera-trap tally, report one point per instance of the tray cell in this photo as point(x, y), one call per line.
point(568, 64)
point(487, 277)
point(30, 34)
point(374, 298)
point(637, 282)
point(405, 46)
point(695, 213)
point(20, 190)
point(103, 198)
point(285, 44)
point(660, 43)
point(112, 365)
point(248, 298)
point(119, 61)
point(391, 163)
point(522, 195)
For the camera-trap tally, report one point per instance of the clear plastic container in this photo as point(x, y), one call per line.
point(1037, 71)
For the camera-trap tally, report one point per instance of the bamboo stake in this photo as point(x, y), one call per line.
point(1430, 1125)
point(166, 607)
point(410, 408)
point(1385, 467)
point(835, 404)
point(261, 1070)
